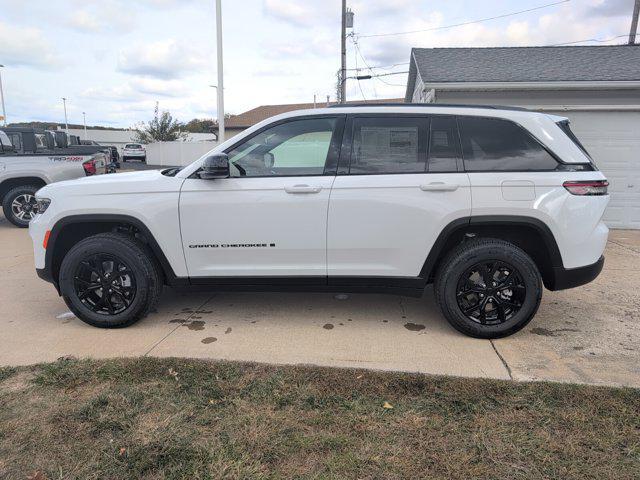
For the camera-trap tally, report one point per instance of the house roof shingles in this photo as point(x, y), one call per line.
point(256, 115)
point(525, 64)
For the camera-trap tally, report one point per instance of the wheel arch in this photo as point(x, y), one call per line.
point(70, 230)
point(14, 182)
point(528, 233)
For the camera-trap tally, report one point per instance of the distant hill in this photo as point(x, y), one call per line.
point(54, 126)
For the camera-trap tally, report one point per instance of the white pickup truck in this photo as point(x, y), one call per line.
point(22, 174)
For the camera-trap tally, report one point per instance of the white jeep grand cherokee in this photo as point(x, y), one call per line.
point(487, 203)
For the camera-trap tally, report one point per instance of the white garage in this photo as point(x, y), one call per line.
point(597, 88)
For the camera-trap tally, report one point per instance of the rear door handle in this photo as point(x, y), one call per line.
point(302, 189)
point(439, 187)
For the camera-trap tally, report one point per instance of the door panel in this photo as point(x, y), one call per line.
point(255, 226)
point(385, 225)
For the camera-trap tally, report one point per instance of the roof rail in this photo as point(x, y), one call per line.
point(429, 105)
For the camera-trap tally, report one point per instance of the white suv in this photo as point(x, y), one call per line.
point(487, 203)
point(134, 151)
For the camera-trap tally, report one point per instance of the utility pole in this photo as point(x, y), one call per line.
point(66, 123)
point(84, 121)
point(220, 88)
point(634, 23)
point(4, 112)
point(343, 66)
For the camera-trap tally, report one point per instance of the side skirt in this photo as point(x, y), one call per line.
point(409, 287)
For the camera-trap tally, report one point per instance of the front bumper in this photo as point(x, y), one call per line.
point(564, 278)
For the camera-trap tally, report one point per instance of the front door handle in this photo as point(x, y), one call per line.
point(302, 189)
point(439, 187)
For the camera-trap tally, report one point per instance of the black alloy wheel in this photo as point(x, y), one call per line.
point(110, 280)
point(488, 288)
point(105, 284)
point(491, 292)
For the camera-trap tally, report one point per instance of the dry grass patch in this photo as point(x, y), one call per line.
point(169, 418)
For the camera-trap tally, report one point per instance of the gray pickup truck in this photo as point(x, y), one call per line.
point(34, 163)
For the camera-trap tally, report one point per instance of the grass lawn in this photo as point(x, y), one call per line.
point(168, 418)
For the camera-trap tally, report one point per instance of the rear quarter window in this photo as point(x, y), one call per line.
point(491, 144)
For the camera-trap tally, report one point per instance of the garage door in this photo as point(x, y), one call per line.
point(613, 140)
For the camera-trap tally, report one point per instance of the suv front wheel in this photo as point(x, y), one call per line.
point(488, 288)
point(110, 280)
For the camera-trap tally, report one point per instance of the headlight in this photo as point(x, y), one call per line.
point(42, 204)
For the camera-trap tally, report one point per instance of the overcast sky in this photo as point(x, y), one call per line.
point(115, 58)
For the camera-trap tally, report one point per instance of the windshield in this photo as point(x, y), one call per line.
point(133, 146)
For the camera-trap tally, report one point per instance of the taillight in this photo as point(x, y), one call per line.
point(89, 167)
point(589, 187)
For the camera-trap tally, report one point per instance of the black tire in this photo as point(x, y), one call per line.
point(13, 194)
point(141, 269)
point(510, 308)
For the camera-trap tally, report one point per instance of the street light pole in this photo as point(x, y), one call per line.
point(343, 57)
point(84, 121)
point(4, 112)
point(220, 88)
point(66, 123)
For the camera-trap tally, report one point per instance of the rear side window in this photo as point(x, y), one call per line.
point(491, 144)
point(444, 145)
point(387, 145)
point(564, 125)
point(16, 140)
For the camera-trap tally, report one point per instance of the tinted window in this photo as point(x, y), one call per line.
point(4, 139)
point(499, 145)
point(41, 141)
point(133, 146)
point(299, 147)
point(16, 140)
point(444, 145)
point(387, 145)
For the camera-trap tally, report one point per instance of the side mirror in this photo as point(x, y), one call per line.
point(215, 166)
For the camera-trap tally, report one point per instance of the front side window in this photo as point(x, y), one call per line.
point(491, 144)
point(387, 145)
point(295, 148)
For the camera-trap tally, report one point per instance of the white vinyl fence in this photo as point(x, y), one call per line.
point(176, 154)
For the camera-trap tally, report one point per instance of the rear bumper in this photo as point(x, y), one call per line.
point(564, 278)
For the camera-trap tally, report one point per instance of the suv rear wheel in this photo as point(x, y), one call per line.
point(110, 280)
point(488, 288)
point(19, 205)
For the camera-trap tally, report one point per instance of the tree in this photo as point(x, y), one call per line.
point(204, 125)
point(162, 128)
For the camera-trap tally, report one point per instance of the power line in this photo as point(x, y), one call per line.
point(599, 40)
point(382, 67)
point(471, 22)
point(373, 74)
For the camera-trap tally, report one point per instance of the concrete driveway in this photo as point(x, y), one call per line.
point(587, 335)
